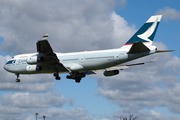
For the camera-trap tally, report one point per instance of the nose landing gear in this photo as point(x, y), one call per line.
point(17, 80)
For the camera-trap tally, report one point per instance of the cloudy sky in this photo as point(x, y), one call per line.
point(150, 91)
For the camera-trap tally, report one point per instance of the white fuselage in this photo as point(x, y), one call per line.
point(77, 61)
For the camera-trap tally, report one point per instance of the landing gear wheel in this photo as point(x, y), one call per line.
point(78, 79)
point(56, 75)
point(68, 77)
point(18, 80)
point(58, 78)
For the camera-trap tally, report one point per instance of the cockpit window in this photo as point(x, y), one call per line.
point(11, 61)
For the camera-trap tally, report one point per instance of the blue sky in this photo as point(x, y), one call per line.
point(150, 91)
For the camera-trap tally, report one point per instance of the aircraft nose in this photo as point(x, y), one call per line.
point(5, 67)
point(9, 66)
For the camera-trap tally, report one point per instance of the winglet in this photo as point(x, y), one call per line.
point(45, 36)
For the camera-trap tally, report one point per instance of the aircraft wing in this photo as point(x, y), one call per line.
point(43, 45)
point(49, 57)
point(121, 67)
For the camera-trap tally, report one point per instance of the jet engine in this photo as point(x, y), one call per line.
point(34, 60)
point(111, 73)
point(33, 68)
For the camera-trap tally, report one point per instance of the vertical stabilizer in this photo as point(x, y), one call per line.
point(147, 32)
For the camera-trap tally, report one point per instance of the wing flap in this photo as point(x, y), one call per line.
point(121, 67)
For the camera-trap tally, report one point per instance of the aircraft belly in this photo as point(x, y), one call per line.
point(106, 63)
point(94, 65)
point(135, 56)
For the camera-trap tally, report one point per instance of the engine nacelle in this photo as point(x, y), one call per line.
point(111, 73)
point(33, 68)
point(34, 60)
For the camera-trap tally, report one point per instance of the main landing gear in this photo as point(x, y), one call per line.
point(17, 80)
point(76, 76)
point(56, 75)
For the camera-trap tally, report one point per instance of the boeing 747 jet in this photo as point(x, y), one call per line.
point(80, 64)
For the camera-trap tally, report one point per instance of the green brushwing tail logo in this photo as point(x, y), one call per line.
point(149, 32)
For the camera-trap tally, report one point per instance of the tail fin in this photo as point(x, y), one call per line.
point(147, 32)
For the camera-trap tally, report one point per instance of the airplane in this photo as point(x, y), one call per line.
point(79, 64)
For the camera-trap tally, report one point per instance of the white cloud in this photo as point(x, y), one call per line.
point(25, 105)
point(12, 113)
point(74, 113)
point(122, 32)
point(33, 100)
point(74, 25)
point(169, 13)
point(16, 113)
point(105, 119)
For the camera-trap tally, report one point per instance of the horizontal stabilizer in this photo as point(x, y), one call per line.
point(138, 47)
point(160, 51)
